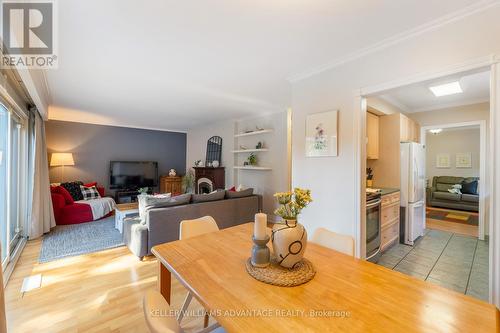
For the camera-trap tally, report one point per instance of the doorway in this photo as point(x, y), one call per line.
point(465, 145)
point(447, 258)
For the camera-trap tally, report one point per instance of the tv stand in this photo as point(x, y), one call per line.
point(127, 196)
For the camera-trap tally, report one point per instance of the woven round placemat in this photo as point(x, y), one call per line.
point(280, 276)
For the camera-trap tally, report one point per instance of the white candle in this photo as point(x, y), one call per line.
point(260, 225)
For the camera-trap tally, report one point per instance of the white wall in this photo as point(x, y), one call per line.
point(460, 114)
point(197, 145)
point(265, 183)
point(452, 142)
point(332, 180)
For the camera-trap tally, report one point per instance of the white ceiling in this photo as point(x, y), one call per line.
point(176, 64)
point(418, 97)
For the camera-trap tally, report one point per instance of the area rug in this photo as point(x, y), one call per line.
point(72, 240)
point(453, 216)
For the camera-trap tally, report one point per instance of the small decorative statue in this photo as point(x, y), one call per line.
point(197, 163)
point(260, 145)
point(172, 173)
point(290, 238)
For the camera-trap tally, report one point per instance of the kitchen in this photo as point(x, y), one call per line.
point(395, 214)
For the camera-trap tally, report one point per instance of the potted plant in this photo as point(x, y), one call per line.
point(188, 181)
point(143, 190)
point(252, 159)
point(289, 238)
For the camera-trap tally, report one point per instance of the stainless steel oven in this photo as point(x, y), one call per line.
point(373, 226)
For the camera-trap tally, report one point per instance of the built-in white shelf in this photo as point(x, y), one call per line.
point(253, 133)
point(249, 150)
point(253, 168)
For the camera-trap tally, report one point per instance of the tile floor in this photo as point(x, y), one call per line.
point(450, 260)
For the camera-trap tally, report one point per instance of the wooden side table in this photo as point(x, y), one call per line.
point(170, 184)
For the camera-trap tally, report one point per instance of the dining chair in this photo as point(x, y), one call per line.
point(334, 241)
point(196, 227)
point(157, 314)
point(192, 228)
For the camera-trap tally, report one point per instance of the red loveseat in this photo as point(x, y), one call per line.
point(66, 211)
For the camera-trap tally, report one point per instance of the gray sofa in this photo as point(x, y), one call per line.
point(438, 195)
point(161, 225)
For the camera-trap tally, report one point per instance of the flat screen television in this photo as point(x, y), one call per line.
point(133, 175)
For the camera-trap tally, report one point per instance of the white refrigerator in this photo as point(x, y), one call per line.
point(412, 192)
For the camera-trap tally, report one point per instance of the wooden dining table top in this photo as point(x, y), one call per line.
point(346, 294)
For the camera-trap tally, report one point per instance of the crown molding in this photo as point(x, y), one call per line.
point(398, 38)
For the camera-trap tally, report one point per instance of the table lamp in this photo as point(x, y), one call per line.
point(62, 159)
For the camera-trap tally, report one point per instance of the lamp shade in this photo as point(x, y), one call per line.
point(58, 159)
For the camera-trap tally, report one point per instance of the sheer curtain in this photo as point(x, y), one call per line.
point(42, 215)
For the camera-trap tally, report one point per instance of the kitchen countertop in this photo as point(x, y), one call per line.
point(386, 191)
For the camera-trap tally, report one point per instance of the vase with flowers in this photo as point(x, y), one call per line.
point(289, 238)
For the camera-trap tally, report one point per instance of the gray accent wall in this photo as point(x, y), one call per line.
point(94, 146)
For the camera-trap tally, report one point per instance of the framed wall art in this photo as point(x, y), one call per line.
point(443, 161)
point(321, 134)
point(463, 160)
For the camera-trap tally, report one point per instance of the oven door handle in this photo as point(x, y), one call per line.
point(373, 204)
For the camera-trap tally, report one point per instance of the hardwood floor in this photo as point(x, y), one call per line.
point(457, 228)
point(98, 292)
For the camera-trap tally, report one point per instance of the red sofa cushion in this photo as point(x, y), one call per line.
point(69, 212)
point(64, 192)
point(75, 214)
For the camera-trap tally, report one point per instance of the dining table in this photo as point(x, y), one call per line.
point(347, 294)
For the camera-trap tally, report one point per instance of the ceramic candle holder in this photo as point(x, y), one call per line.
point(261, 256)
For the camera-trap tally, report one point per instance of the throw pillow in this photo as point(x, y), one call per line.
point(89, 193)
point(470, 188)
point(147, 201)
point(74, 189)
point(90, 184)
point(62, 191)
point(219, 195)
point(455, 189)
point(241, 194)
point(232, 189)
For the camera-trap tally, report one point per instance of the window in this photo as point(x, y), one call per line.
point(4, 136)
point(13, 185)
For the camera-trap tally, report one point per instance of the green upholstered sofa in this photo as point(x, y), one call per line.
point(438, 195)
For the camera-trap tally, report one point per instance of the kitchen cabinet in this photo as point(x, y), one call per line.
point(390, 220)
point(372, 136)
point(409, 129)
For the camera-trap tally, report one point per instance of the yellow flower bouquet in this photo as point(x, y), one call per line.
point(292, 203)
